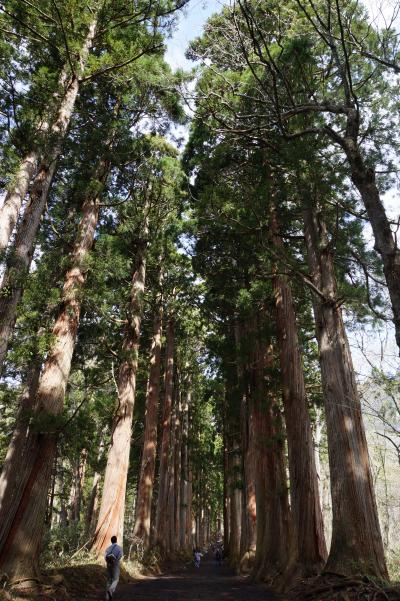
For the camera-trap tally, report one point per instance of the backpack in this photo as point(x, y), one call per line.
point(111, 559)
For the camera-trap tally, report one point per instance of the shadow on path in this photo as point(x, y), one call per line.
point(208, 583)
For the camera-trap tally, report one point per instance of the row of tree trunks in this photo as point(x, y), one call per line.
point(20, 257)
point(24, 495)
point(112, 510)
point(174, 502)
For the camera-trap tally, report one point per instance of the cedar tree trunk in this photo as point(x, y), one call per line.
point(356, 538)
point(147, 470)
point(19, 261)
point(112, 509)
point(310, 551)
point(162, 500)
point(23, 503)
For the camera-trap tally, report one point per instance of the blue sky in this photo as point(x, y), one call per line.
point(190, 25)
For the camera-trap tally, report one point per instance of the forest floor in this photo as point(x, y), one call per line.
point(179, 583)
point(208, 583)
point(183, 582)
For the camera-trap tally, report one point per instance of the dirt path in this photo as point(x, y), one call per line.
point(209, 583)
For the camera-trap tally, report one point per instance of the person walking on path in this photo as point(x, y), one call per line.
point(113, 556)
point(197, 558)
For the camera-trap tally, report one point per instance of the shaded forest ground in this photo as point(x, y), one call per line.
point(183, 582)
point(179, 583)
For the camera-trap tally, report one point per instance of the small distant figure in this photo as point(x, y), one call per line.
point(112, 556)
point(218, 557)
point(197, 558)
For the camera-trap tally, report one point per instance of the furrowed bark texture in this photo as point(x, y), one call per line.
point(15, 196)
point(92, 507)
point(310, 551)
point(189, 514)
point(170, 525)
point(142, 527)
point(248, 537)
point(226, 479)
point(19, 261)
point(17, 445)
point(235, 462)
point(111, 517)
point(185, 523)
point(235, 505)
point(273, 514)
point(162, 500)
point(356, 538)
point(77, 491)
point(25, 494)
point(28, 167)
point(175, 540)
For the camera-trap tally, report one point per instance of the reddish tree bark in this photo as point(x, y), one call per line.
point(27, 170)
point(93, 501)
point(235, 504)
point(356, 538)
point(142, 527)
point(111, 517)
point(226, 509)
point(309, 552)
point(77, 488)
point(175, 541)
point(185, 509)
point(248, 537)
point(273, 514)
point(23, 501)
point(20, 258)
point(15, 196)
point(235, 464)
point(162, 500)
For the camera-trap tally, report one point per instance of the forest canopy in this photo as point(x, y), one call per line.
point(178, 318)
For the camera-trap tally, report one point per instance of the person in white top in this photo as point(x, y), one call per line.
point(113, 556)
point(197, 558)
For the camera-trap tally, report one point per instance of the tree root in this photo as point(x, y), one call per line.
point(332, 587)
